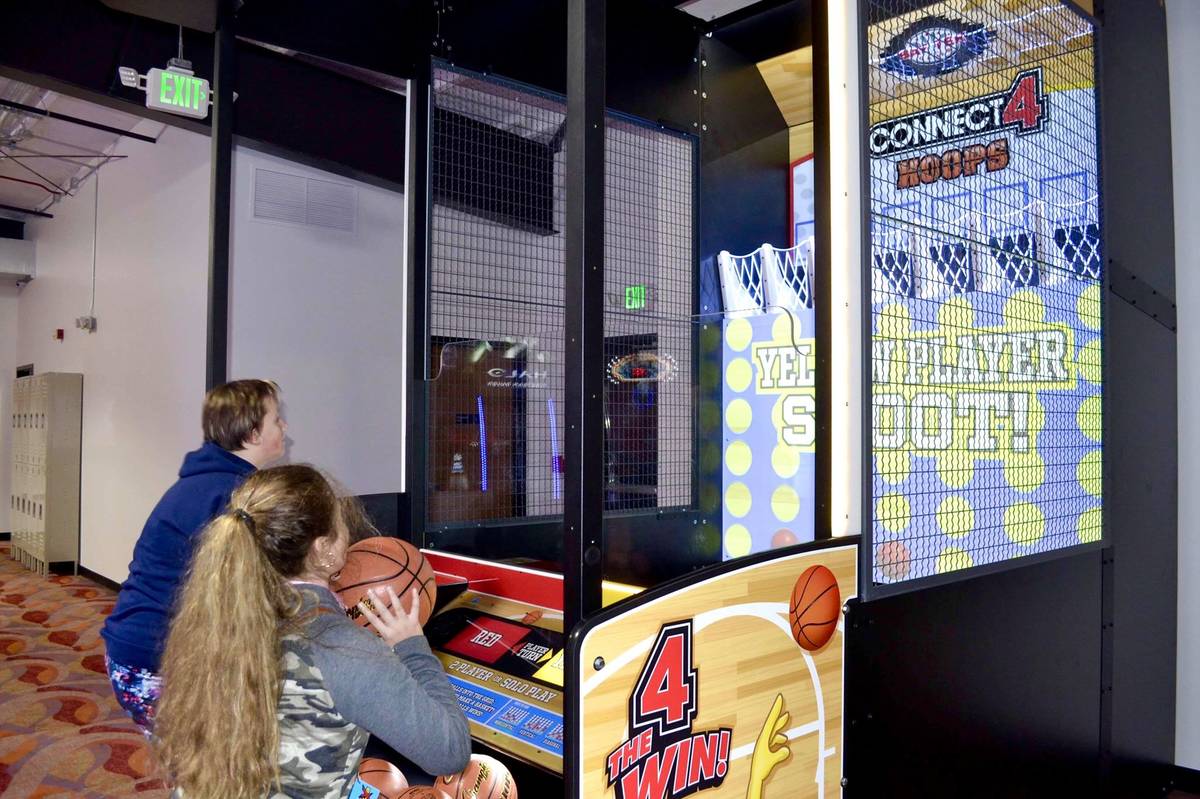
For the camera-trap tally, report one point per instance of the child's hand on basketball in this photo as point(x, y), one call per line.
point(393, 623)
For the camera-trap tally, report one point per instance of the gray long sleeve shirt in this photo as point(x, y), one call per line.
point(342, 682)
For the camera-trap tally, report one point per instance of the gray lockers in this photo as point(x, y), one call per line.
point(46, 421)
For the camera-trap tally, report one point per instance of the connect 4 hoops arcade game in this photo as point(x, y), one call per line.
point(655, 422)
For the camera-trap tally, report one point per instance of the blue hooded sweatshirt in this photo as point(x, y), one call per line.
point(136, 631)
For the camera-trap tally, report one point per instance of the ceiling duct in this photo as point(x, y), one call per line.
point(16, 260)
point(15, 126)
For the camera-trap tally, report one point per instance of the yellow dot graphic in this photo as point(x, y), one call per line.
point(953, 559)
point(956, 313)
point(893, 512)
point(786, 328)
point(738, 334)
point(785, 460)
point(1090, 418)
point(1088, 307)
point(737, 499)
point(738, 457)
point(1090, 473)
point(1091, 361)
point(737, 541)
point(1024, 307)
point(894, 466)
point(738, 374)
point(956, 517)
point(738, 416)
point(785, 503)
point(1090, 526)
point(1024, 472)
point(956, 469)
point(1024, 523)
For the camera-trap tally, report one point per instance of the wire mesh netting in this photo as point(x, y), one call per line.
point(496, 283)
point(985, 271)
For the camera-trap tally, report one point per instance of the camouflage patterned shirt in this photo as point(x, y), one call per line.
point(341, 682)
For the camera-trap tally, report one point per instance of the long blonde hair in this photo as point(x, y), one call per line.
point(216, 726)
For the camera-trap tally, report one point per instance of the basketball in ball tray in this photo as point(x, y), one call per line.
point(380, 562)
point(815, 607)
point(421, 792)
point(483, 778)
point(383, 777)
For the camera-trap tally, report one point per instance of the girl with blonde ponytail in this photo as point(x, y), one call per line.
point(268, 688)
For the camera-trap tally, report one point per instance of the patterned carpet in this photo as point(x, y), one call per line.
point(61, 731)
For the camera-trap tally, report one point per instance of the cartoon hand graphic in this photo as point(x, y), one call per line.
point(770, 749)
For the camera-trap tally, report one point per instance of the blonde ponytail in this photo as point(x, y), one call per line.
point(216, 726)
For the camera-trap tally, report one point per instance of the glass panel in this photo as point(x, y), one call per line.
point(985, 286)
point(743, 399)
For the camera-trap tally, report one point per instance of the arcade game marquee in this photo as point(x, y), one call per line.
point(641, 523)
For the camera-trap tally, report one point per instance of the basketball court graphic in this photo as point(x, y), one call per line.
point(781, 704)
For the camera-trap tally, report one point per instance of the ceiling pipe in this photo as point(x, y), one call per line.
point(26, 211)
point(28, 109)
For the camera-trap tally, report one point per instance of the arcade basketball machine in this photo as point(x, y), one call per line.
point(649, 441)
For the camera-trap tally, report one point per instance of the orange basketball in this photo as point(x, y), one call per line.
point(816, 605)
point(783, 538)
point(379, 562)
point(382, 776)
point(893, 559)
point(483, 778)
point(422, 792)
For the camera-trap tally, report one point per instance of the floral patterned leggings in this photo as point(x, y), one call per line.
point(137, 692)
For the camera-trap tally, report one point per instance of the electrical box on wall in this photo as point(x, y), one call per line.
point(16, 260)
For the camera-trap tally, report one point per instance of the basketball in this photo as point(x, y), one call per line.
point(422, 792)
point(815, 607)
point(483, 778)
point(383, 777)
point(783, 538)
point(379, 562)
point(893, 559)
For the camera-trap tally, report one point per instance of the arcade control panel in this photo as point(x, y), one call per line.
point(501, 643)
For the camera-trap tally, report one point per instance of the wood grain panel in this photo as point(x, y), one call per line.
point(744, 656)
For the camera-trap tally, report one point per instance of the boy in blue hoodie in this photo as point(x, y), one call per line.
point(243, 431)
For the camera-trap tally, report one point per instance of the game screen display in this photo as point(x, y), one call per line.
point(985, 282)
point(516, 649)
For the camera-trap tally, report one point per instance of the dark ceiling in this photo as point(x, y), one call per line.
point(288, 102)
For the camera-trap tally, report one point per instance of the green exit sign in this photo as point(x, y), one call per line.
point(635, 298)
point(177, 92)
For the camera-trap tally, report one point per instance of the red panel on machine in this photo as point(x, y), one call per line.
point(486, 639)
point(500, 579)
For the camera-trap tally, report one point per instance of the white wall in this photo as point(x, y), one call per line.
point(144, 368)
point(8, 368)
point(1183, 41)
point(321, 312)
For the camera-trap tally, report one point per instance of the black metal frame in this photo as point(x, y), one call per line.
point(583, 496)
point(418, 196)
point(1108, 556)
point(583, 503)
point(869, 591)
point(823, 267)
point(220, 198)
